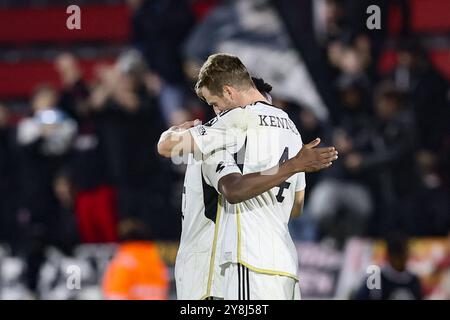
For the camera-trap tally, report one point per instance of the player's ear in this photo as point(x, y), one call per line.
point(228, 92)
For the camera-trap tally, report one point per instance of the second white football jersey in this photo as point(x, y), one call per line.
point(197, 272)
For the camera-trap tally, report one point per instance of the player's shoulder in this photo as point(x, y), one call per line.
point(230, 117)
point(270, 113)
point(266, 107)
point(232, 112)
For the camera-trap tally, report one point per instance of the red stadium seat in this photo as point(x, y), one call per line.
point(430, 15)
point(441, 60)
point(387, 61)
point(48, 25)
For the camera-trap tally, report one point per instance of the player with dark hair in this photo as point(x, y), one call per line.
point(396, 282)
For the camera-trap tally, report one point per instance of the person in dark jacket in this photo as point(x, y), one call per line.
point(396, 282)
point(44, 140)
point(94, 195)
point(130, 124)
point(8, 179)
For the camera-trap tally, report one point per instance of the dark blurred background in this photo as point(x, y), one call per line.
point(81, 112)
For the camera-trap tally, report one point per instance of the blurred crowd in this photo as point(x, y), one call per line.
point(83, 155)
point(391, 131)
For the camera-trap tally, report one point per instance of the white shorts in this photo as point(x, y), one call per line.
point(241, 283)
point(191, 275)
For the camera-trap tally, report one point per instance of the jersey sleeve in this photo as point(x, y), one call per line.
point(227, 130)
point(301, 182)
point(218, 165)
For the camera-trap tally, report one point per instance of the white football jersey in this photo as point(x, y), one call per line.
point(197, 271)
point(256, 233)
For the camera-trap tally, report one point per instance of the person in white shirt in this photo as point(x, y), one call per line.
point(258, 257)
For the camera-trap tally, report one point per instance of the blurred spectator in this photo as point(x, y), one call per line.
point(310, 128)
point(344, 22)
point(97, 215)
point(159, 28)
point(351, 54)
point(95, 197)
point(63, 232)
point(390, 158)
point(329, 20)
point(74, 90)
point(306, 228)
point(137, 271)
point(51, 128)
point(34, 257)
point(397, 283)
point(44, 140)
point(395, 21)
point(341, 202)
point(427, 91)
point(130, 123)
point(8, 183)
point(425, 211)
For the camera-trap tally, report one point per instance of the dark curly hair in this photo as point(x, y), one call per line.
point(261, 85)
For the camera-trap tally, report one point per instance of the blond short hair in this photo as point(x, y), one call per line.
point(222, 69)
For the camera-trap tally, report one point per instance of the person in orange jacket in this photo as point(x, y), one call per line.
point(137, 271)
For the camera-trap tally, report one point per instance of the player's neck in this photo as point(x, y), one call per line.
point(252, 96)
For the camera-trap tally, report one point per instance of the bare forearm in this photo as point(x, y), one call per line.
point(238, 188)
point(165, 143)
point(175, 142)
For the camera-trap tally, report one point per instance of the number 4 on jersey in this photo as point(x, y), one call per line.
point(284, 185)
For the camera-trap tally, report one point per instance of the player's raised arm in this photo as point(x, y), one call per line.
point(227, 130)
point(236, 187)
point(177, 140)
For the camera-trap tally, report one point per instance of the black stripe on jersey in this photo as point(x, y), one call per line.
point(239, 157)
point(243, 281)
point(263, 102)
point(239, 282)
point(210, 200)
point(248, 284)
point(211, 122)
point(224, 112)
point(216, 118)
